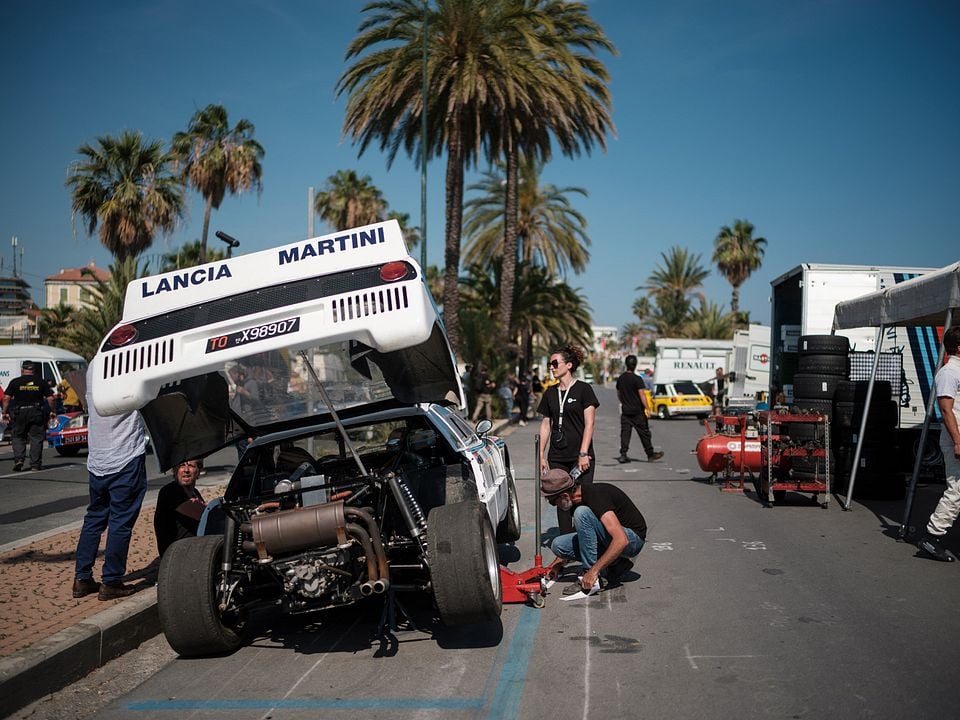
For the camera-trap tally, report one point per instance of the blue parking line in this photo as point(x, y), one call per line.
point(505, 704)
point(309, 704)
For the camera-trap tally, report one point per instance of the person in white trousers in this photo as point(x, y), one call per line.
point(947, 384)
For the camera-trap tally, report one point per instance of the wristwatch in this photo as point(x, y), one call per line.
point(584, 454)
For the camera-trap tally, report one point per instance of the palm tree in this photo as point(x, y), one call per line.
point(386, 101)
point(709, 321)
point(188, 256)
point(545, 309)
point(554, 85)
point(54, 323)
point(127, 187)
point(348, 201)
point(550, 232)
point(92, 323)
point(411, 233)
point(737, 255)
point(673, 288)
point(218, 159)
point(488, 59)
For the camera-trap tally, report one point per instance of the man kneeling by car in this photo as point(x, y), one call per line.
point(607, 524)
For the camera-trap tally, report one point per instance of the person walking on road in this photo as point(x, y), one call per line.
point(569, 411)
point(23, 404)
point(947, 383)
point(719, 391)
point(117, 476)
point(484, 386)
point(610, 530)
point(633, 411)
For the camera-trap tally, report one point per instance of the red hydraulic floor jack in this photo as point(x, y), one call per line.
point(528, 585)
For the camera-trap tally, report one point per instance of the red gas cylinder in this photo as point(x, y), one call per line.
point(713, 450)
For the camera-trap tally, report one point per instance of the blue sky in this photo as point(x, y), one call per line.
point(834, 127)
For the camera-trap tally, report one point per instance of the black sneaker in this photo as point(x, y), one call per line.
point(623, 458)
point(656, 456)
point(618, 568)
point(18, 466)
point(930, 544)
point(36, 467)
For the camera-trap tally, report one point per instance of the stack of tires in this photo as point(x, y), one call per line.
point(823, 364)
point(877, 476)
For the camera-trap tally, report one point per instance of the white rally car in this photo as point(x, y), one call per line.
point(360, 477)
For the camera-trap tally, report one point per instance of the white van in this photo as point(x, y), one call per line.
point(52, 363)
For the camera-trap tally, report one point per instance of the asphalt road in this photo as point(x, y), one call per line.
point(38, 501)
point(732, 611)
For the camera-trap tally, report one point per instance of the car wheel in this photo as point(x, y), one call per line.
point(662, 412)
point(463, 564)
point(509, 528)
point(187, 598)
point(67, 450)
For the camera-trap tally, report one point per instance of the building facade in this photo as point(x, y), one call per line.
point(74, 287)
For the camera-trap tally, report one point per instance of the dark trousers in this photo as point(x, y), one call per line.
point(629, 423)
point(565, 517)
point(115, 501)
point(29, 426)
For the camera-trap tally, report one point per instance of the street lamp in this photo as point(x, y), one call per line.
point(230, 241)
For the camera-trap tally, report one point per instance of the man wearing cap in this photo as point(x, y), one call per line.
point(609, 529)
point(24, 403)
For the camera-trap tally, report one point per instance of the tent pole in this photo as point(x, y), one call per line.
point(905, 524)
point(863, 421)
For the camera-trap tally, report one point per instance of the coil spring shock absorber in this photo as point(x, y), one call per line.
point(409, 507)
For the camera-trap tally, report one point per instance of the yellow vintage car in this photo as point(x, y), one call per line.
point(680, 398)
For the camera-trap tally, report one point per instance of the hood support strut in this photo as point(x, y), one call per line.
point(333, 412)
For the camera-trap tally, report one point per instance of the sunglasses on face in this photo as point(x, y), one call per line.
point(554, 363)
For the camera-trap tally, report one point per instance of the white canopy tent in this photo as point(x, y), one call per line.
point(929, 300)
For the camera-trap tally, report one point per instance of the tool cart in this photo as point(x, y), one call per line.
point(796, 456)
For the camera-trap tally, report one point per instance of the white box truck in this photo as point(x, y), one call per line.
point(803, 301)
point(693, 360)
point(750, 366)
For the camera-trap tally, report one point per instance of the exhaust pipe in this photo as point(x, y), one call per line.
point(383, 571)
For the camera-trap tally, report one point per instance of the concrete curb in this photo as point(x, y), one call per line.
point(53, 663)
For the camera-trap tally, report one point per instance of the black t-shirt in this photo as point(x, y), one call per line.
point(28, 390)
point(629, 386)
point(603, 497)
point(580, 397)
point(177, 515)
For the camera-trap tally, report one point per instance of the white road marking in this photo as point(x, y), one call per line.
point(693, 658)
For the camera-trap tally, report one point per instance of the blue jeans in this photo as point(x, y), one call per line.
point(591, 539)
point(115, 501)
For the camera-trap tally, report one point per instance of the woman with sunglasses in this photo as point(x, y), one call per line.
point(569, 411)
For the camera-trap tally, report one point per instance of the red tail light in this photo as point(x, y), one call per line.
point(393, 271)
point(122, 335)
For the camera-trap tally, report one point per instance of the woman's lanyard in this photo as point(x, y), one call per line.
point(563, 402)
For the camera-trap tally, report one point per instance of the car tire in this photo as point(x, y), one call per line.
point(187, 598)
point(464, 569)
point(67, 450)
point(662, 412)
point(509, 528)
point(823, 345)
point(825, 365)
